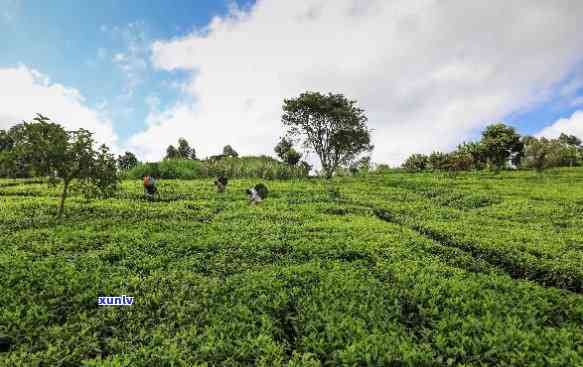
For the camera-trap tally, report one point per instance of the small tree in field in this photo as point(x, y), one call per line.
point(416, 162)
point(10, 164)
point(127, 161)
point(330, 125)
point(184, 150)
point(285, 151)
point(283, 147)
point(63, 155)
point(437, 161)
point(103, 177)
point(171, 152)
point(228, 151)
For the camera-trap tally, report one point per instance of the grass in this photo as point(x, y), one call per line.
point(244, 167)
point(387, 269)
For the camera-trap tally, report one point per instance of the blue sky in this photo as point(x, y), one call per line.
point(75, 42)
point(150, 72)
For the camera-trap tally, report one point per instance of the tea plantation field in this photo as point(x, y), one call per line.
point(390, 269)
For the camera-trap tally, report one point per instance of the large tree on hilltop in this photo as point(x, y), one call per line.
point(501, 143)
point(330, 125)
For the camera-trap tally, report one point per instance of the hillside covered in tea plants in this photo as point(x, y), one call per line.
point(399, 269)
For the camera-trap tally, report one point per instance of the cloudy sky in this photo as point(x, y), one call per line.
point(429, 73)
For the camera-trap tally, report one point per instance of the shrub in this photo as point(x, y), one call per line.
point(437, 161)
point(416, 162)
point(263, 167)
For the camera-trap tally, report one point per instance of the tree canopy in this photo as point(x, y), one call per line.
point(501, 143)
point(49, 150)
point(127, 161)
point(228, 151)
point(285, 151)
point(330, 125)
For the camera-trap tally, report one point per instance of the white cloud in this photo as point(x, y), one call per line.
point(570, 126)
point(134, 61)
point(25, 91)
point(428, 73)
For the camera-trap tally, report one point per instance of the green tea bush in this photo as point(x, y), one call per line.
point(400, 269)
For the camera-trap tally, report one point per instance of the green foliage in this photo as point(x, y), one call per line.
point(171, 152)
point(360, 167)
point(477, 153)
point(260, 167)
point(127, 161)
point(47, 149)
point(184, 150)
point(543, 153)
point(11, 164)
point(228, 151)
point(285, 151)
point(571, 140)
point(501, 144)
point(400, 270)
point(293, 157)
point(103, 177)
point(459, 161)
point(282, 147)
point(330, 125)
point(416, 162)
point(437, 161)
point(382, 168)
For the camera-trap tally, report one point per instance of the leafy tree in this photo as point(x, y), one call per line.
point(459, 161)
point(104, 175)
point(573, 151)
point(330, 125)
point(283, 147)
point(293, 157)
point(570, 140)
point(63, 155)
point(437, 161)
point(501, 143)
point(127, 161)
point(285, 151)
point(171, 152)
point(11, 165)
point(184, 150)
point(6, 141)
point(476, 151)
point(538, 153)
point(230, 152)
point(363, 165)
point(416, 162)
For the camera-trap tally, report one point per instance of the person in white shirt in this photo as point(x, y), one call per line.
point(257, 194)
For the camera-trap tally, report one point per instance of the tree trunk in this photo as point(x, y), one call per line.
point(63, 197)
point(328, 172)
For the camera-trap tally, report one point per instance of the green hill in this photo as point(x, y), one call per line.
point(389, 269)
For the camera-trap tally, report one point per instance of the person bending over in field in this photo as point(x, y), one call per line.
point(257, 194)
point(150, 186)
point(221, 183)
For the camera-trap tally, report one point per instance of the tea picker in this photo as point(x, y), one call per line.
point(150, 186)
point(257, 194)
point(221, 183)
